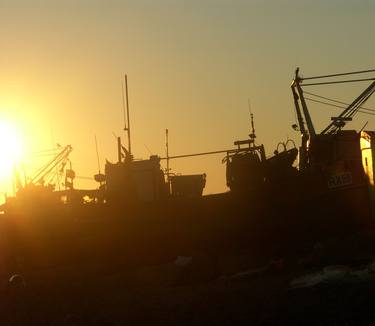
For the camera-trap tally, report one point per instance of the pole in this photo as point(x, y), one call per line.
point(123, 108)
point(119, 149)
point(167, 149)
point(127, 113)
point(305, 137)
point(298, 111)
point(97, 153)
point(309, 123)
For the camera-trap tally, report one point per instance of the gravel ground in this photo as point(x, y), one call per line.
point(198, 291)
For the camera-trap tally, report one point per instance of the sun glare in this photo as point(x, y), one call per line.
point(10, 149)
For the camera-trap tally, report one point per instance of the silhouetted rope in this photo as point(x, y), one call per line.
point(339, 82)
point(335, 105)
point(337, 101)
point(340, 74)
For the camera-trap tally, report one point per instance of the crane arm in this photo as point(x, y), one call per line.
point(351, 110)
point(45, 170)
point(298, 95)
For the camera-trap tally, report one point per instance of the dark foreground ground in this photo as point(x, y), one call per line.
point(220, 261)
point(333, 284)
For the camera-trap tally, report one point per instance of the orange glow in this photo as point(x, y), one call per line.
point(11, 149)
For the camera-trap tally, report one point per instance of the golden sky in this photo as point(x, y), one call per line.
point(191, 65)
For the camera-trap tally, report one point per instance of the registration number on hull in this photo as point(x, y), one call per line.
point(340, 180)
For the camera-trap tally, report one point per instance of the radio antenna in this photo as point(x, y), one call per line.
point(123, 106)
point(252, 135)
point(127, 115)
point(97, 153)
point(167, 152)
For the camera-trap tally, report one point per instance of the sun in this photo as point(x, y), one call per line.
point(11, 149)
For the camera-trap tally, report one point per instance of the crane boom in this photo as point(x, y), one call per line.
point(298, 95)
point(61, 157)
point(351, 110)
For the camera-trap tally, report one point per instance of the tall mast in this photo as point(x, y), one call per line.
point(305, 136)
point(97, 153)
point(127, 114)
point(123, 108)
point(306, 113)
point(167, 152)
point(301, 123)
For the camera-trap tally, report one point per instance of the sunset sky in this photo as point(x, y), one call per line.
point(191, 66)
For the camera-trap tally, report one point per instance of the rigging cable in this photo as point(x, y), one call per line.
point(337, 101)
point(336, 106)
point(340, 74)
point(352, 109)
point(339, 82)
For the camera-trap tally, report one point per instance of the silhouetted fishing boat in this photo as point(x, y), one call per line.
point(141, 215)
